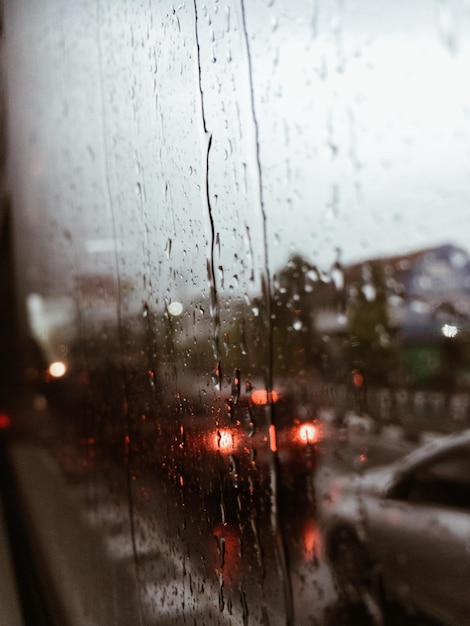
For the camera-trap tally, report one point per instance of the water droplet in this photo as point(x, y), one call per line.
point(233, 471)
point(253, 456)
point(145, 310)
point(221, 597)
point(249, 423)
point(221, 271)
point(222, 551)
point(244, 603)
point(448, 26)
point(236, 385)
point(243, 337)
point(369, 292)
point(229, 408)
point(312, 275)
point(168, 246)
point(228, 150)
point(337, 276)
point(217, 376)
point(151, 378)
point(226, 344)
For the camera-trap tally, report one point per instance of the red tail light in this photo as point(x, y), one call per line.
point(5, 421)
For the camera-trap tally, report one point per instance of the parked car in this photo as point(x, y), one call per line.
point(401, 533)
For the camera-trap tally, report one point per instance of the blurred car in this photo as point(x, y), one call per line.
point(401, 533)
point(237, 443)
point(295, 438)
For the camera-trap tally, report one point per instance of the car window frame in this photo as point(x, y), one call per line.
point(403, 478)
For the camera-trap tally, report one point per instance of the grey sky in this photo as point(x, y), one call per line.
point(374, 122)
point(361, 112)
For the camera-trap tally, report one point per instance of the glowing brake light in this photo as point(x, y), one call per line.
point(261, 397)
point(309, 433)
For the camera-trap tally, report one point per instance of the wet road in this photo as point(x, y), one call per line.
point(227, 565)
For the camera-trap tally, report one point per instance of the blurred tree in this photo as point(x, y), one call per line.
point(371, 337)
point(296, 344)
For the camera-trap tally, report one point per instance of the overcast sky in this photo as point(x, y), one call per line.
point(375, 111)
point(360, 119)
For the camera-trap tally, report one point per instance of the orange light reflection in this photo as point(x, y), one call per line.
point(261, 397)
point(273, 438)
point(223, 440)
point(311, 540)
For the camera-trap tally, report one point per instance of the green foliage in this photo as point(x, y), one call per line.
point(371, 337)
point(295, 341)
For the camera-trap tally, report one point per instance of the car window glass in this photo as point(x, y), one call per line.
point(445, 481)
point(242, 264)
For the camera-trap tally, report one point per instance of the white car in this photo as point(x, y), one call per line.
point(402, 532)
